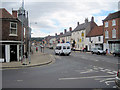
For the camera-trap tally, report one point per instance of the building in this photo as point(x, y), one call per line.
point(95, 38)
point(11, 36)
point(66, 37)
point(111, 27)
point(80, 32)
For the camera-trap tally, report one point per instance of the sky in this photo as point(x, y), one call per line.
point(48, 17)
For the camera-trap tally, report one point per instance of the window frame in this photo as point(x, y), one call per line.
point(11, 34)
point(106, 24)
point(106, 34)
point(114, 33)
point(113, 22)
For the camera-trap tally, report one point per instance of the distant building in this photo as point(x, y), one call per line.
point(111, 27)
point(95, 38)
point(80, 32)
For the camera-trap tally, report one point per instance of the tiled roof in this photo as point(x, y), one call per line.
point(96, 31)
point(66, 34)
point(5, 13)
point(112, 16)
point(81, 27)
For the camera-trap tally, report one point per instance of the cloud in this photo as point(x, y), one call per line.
point(55, 15)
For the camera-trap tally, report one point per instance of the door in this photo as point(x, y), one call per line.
point(13, 52)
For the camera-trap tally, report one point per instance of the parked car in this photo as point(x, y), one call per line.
point(116, 52)
point(51, 47)
point(63, 48)
point(98, 51)
point(117, 79)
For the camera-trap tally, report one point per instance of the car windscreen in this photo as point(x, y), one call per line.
point(58, 48)
point(64, 47)
point(68, 47)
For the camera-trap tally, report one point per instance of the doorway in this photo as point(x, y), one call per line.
point(13, 52)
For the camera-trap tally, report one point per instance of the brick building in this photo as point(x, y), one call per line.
point(111, 27)
point(11, 36)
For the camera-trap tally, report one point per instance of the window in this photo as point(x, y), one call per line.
point(64, 47)
point(99, 39)
point(113, 33)
point(68, 47)
point(58, 47)
point(106, 24)
point(106, 34)
point(13, 28)
point(113, 23)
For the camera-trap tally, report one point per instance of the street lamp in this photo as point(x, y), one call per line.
point(29, 56)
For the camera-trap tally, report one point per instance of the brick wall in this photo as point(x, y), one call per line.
point(6, 30)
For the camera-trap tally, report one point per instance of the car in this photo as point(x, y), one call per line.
point(116, 52)
point(117, 79)
point(98, 51)
point(63, 48)
point(51, 47)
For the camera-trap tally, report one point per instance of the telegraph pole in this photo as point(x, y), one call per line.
point(22, 30)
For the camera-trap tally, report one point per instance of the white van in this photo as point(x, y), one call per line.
point(63, 48)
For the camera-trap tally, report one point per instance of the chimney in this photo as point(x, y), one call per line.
point(86, 20)
point(70, 29)
point(14, 13)
point(61, 33)
point(92, 19)
point(77, 23)
point(65, 30)
point(55, 34)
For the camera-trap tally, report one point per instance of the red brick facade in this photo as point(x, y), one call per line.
point(110, 28)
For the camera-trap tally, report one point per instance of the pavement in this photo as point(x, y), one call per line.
point(37, 59)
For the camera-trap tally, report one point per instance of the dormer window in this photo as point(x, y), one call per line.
point(106, 24)
point(13, 29)
point(113, 22)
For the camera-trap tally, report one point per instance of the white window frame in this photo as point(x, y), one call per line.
point(114, 33)
point(106, 34)
point(113, 22)
point(106, 24)
point(13, 28)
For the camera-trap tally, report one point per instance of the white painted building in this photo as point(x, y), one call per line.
point(95, 38)
point(80, 32)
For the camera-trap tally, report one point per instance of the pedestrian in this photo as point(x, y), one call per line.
point(36, 49)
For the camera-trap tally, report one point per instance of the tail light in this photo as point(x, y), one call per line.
point(118, 72)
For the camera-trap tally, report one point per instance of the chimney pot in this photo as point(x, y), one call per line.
point(65, 30)
point(70, 29)
point(14, 13)
point(78, 23)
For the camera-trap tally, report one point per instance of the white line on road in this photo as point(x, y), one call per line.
point(86, 77)
point(107, 79)
point(107, 82)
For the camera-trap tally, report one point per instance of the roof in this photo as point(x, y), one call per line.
point(5, 13)
point(96, 31)
point(66, 34)
point(112, 16)
point(81, 27)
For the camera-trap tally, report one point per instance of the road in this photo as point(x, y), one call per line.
point(79, 70)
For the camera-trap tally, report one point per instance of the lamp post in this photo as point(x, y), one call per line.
point(22, 31)
point(29, 43)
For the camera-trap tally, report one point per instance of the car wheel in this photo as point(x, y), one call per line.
point(92, 52)
point(114, 55)
point(59, 54)
point(98, 53)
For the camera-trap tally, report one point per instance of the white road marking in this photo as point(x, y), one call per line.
point(19, 80)
point(107, 82)
point(107, 79)
point(86, 77)
point(111, 72)
point(114, 87)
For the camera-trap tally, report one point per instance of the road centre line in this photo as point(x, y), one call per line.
point(86, 77)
